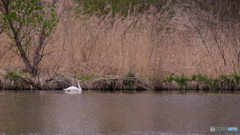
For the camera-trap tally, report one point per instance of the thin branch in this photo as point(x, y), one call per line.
point(204, 43)
point(54, 74)
point(220, 48)
point(41, 56)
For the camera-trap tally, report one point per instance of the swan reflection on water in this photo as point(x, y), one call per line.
point(73, 89)
point(69, 92)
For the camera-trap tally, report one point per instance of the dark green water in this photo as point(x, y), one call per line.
point(55, 112)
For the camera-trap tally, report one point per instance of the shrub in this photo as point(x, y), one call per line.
point(203, 77)
point(130, 74)
point(194, 77)
point(12, 75)
point(170, 78)
point(236, 76)
point(182, 81)
point(224, 77)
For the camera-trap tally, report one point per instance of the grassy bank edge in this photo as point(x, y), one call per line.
point(13, 80)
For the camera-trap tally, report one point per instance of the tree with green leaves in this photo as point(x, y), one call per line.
point(29, 24)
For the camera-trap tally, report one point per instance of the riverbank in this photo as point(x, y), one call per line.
point(13, 80)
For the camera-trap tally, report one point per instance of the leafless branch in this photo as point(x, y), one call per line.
point(41, 56)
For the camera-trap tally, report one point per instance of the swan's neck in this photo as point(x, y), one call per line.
point(79, 87)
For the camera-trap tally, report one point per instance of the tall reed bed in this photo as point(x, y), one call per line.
point(115, 45)
point(194, 41)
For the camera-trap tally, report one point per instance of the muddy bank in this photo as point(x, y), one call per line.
point(60, 82)
point(201, 85)
point(14, 81)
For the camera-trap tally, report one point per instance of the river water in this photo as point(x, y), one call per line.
point(92, 112)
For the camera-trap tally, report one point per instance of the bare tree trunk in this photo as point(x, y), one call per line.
point(38, 54)
point(26, 62)
point(19, 46)
point(40, 48)
point(15, 28)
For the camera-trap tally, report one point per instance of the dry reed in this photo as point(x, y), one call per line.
point(193, 42)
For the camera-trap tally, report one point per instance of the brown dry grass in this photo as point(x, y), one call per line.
point(193, 42)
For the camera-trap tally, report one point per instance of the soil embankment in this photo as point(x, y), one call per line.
point(59, 82)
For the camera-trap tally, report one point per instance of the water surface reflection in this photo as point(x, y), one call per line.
point(55, 112)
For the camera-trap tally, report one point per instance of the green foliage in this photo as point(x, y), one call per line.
point(209, 81)
point(213, 84)
point(130, 74)
point(124, 7)
point(29, 24)
point(181, 80)
point(194, 77)
point(202, 77)
point(224, 77)
point(236, 76)
point(12, 75)
point(26, 17)
point(170, 78)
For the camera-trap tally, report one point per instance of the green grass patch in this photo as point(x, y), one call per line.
point(130, 74)
point(12, 75)
point(170, 78)
point(181, 80)
point(194, 77)
point(203, 77)
point(236, 76)
point(212, 83)
point(225, 78)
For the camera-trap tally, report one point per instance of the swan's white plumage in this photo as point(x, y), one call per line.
point(74, 89)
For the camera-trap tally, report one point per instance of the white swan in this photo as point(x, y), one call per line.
point(73, 89)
